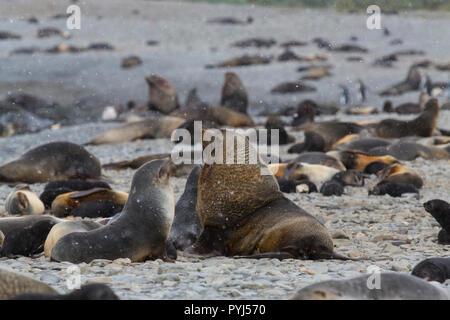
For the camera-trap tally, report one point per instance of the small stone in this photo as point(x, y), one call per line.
point(401, 266)
point(340, 235)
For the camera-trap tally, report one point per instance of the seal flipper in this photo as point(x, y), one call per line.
point(268, 255)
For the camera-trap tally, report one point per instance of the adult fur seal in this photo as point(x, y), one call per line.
point(422, 126)
point(146, 129)
point(243, 212)
point(393, 286)
point(320, 158)
point(440, 210)
point(408, 150)
point(433, 269)
point(397, 173)
point(52, 161)
point(24, 202)
point(163, 96)
point(186, 226)
point(234, 94)
point(141, 230)
point(66, 203)
point(65, 227)
point(13, 284)
point(359, 160)
point(92, 291)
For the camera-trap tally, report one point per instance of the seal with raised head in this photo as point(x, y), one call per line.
point(24, 202)
point(52, 161)
point(163, 96)
point(422, 126)
point(440, 210)
point(234, 94)
point(141, 230)
point(393, 286)
point(433, 269)
point(244, 213)
point(13, 284)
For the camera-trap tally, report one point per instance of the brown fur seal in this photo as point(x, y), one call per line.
point(13, 284)
point(393, 286)
point(397, 173)
point(141, 230)
point(440, 210)
point(50, 162)
point(146, 129)
point(234, 94)
point(359, 160)
point(92, 291)
point(433, 269)
point(24, 202)
point(65, 227)
point(244, 60)
point(64, 204)
point(422, 126)
point(244, 213)
point(163, 96)
point(412, 82)
point(320, 158)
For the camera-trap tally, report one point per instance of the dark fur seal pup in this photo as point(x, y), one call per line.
point(374, 167)
point(26, 241)
point(186, 226)
point(163, 96)
point(13, 284)
point(141, 230)
point(306, 111)
point(234, 94)
point(65, 227)
point(407, 151)
point(440, 210)
point(8, 224)
point(24, 202)
point(93, 291)
point(330, 131)
point(393, 286)
point(319, 158)
point(247, 215)
point(433, 269)
point(313, 142)
point(332, 188)
point(66, 203)
point(55, 188)
point(52, 161)
point(146, 129)
point(359, 160)
point(397, 173)
point(290, 186)
point(273, 123)
point(393, 189)
point(422, 126)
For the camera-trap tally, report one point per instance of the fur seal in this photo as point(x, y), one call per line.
point(186, 226)
point(65, 227)
point(332, 188)
point(50, 162)
point(320, 158)
point(407, 151)
point(364, 144)
point(440, 210)
point(393, 189)
point(397, 173)
point(26, 241)
point(433, 269)
point(93, 291)
point(145, 129)
point(411, 83)
point(394, 286)
point(241, 61)
point(23, 201)
point(163, 96)
point(234, 94)
point(13, 284)
point(65, 203)
point(244, 213)
point(8, 224)
point(141, 230)
point(359, 160)
point(422, 126)
point(274, 123)
point(55, 188)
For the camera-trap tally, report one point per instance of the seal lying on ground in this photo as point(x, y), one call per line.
point(440, 210)
point(359, 160)
point(50, 162)
point(24, 202)
point(407, 150)
point(243, 212)
point(392, 286)
point(13, 284)
point(141, 230)
point(93, 291)
point(433, 269)
point(422, 126)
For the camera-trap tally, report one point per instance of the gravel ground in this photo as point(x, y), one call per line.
point(395, 233)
